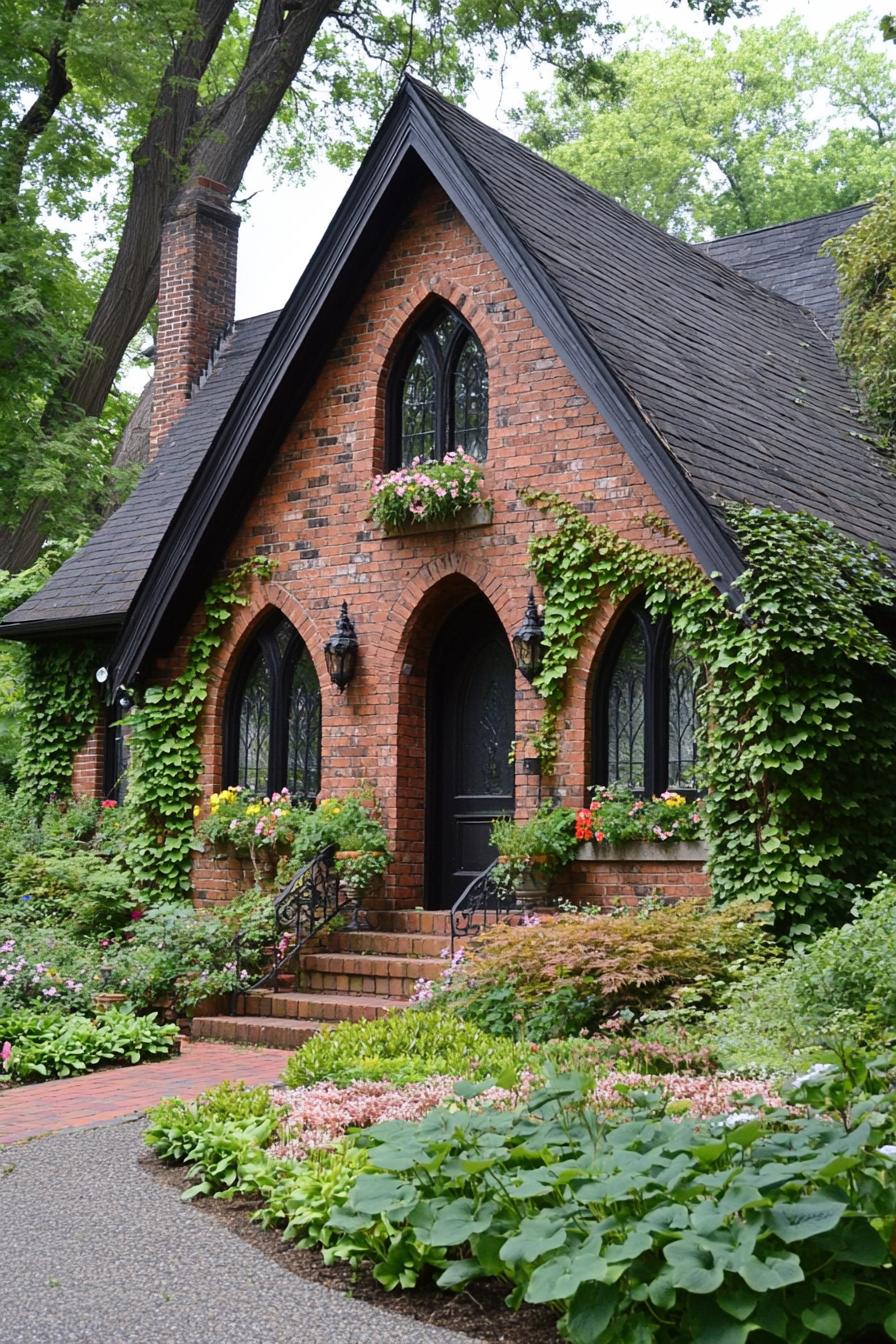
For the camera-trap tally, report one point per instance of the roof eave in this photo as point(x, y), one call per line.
point(102, 627)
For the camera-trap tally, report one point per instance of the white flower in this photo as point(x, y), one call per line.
point(738, 1118)
point(888, 1150)
point(815, 1074)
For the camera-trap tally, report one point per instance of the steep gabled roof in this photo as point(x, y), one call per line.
point(717, 389)
point(96, 586)
point(785, 258)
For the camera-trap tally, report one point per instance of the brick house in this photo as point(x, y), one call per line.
point(466, 292)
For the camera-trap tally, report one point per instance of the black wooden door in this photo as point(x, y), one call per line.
point(471, 728)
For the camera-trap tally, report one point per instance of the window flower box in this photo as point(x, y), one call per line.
point(643, 851)
point(428, 494)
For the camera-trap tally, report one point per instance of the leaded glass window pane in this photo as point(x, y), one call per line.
point(255, 727)
point(471, 401)
point(444, 328)
point(684, 682)
point(118, 744)
point(626, 711)
point(418, 410)
point(303, 764)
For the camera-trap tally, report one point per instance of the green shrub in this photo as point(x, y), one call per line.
point(646, 1228)
point(404, 1047)
point(43, 965)
point(49, 1045)
point(85, 892)
point(174, 1125)
point(177, 953)
point(574, 972)
point(843, 983)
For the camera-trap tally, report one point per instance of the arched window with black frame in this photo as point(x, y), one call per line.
point(438, 392)
point(272, 728)
point(645, 709)
point(116, 753)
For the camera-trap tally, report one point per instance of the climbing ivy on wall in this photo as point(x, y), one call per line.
point(798, 706)
point(58, 708)
point(165, 760)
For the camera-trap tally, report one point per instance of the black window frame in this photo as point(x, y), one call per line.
point(444, 367)
point(658, 639)
point(116, 755)
point(281, 665)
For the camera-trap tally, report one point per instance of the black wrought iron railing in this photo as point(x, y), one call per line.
point(483, 896)
point(310, 901)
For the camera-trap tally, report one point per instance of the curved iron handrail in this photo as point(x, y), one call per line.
point(309, 901)
point(476, 900)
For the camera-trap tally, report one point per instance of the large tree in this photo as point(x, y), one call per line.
point(110, 106)
point(707, 136)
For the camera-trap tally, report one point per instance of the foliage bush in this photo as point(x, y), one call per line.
point(427, 492)
point(90, 894)
point(351, 823)
point(842, 984)
point(45, 966)
point(575, 972)
point(47, 1044)
point(175, 1126)
point(616, 816)
point(180, 954)
point(404, 1047)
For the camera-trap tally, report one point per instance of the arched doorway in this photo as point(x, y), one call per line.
point(470, 730)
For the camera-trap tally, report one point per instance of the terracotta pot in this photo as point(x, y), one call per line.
point(103, 1001)
point(358, 853)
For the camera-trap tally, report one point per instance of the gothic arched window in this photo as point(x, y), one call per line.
point(645, 709)
point(272, 738)
point(439, 392)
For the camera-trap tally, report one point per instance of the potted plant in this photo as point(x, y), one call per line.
point(531, 853)
point(352, 824)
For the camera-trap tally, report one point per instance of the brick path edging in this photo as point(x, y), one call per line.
point(113, 1094)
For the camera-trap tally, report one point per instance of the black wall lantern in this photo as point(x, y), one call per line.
point(527, 642)
point(341, 651)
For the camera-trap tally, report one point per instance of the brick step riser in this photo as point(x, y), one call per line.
point(383, 944)
point(390, 986)
point(343, 1009)
point(283, 1034)
point(340, 963)
point(411, 921)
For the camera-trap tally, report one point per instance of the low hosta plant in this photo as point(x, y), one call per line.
point(760, 1225)
point(427, 492)
point(37, 1045)
point(617, 815)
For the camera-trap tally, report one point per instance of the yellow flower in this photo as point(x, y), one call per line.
point(253, 809)
point(674, 800)
point(197, 810)
point(215, 798)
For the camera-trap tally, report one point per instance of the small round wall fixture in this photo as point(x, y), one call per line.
point(528, 640)
point(102, 675)
point(341, 651)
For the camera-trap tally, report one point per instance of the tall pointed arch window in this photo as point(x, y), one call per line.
point(273, 721)
point(645, 709)
point(438, 399)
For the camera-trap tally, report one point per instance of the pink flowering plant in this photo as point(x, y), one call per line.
point(250, 824)
point(427, 492)
point(617, 815)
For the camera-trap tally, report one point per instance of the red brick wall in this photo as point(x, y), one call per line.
point(310, 516)
point(87, 771)
point(197, 295)
point(610, 881)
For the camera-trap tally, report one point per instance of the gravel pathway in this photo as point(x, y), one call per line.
point(104, 1254)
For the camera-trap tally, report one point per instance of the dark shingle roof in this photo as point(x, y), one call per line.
point(740, 385)
point(786, 260)
point(98, 583)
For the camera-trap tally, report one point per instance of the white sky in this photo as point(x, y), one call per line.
point(286, 223)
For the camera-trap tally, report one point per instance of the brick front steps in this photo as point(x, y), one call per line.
point(344, 976)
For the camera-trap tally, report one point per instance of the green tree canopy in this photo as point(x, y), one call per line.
point(708, 136)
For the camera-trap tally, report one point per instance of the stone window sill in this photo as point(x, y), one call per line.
point(643, 851)
point(480, 515)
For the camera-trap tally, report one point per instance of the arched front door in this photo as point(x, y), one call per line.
point(470, 714)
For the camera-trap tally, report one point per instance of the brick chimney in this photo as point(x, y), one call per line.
point(197, 297)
